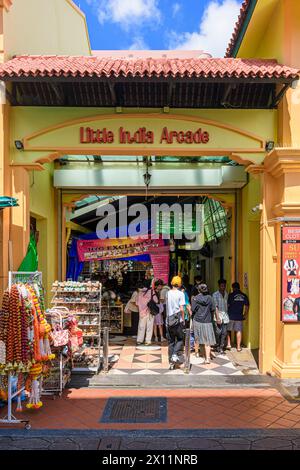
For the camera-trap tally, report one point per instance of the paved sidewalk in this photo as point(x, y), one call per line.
point(152, 441)
point(231, 408)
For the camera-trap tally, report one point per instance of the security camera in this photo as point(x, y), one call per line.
point(256, 209)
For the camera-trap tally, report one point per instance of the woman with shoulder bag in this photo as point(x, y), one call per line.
point(203, 310)
point(146, 319)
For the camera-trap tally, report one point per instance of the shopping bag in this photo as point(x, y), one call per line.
point(60, 337)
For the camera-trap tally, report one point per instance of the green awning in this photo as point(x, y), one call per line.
point(8, 202)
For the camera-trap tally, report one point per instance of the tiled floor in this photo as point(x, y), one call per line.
point(234, 408)
point(134, 361)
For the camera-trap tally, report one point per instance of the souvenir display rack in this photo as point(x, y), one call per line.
point(25, 347)
point(60, 373)
point(112, 317)
point(83, 299)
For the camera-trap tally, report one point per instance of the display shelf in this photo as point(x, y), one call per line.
point(76, 291)
point(112, 314)
point(92, 314)
point(72, 302)
point(82, 361)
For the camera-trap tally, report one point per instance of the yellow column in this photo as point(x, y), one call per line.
point(20, 216)
point(279, 342)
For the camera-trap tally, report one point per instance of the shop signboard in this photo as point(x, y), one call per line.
point(160, 260)
point(115, 248)
point(144, 134)
point(290, 274)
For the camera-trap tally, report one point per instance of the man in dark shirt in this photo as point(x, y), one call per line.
point(238, 307)
point(296, 308)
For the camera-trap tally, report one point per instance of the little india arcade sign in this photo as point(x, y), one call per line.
point(142, 135)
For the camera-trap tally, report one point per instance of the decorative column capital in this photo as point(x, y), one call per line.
point(255, 169)
point(282, 160)
point(6, 4)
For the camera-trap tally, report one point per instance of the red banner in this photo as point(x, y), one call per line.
point(160, 259)
point(114, 248)
point(290, 274)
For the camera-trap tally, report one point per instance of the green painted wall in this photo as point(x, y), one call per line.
point(249, 227)
point(43, 208)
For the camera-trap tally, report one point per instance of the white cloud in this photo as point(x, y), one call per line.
point(138, 44)
point(215, 29)
point(127, 13)
point(176, 7)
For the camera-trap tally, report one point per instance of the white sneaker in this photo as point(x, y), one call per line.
point(175, 358)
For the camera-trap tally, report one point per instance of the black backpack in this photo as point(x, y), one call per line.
point(153, 306)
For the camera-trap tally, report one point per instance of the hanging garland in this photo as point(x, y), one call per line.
point(4, 317)
point(44, 328)
point(24, 340)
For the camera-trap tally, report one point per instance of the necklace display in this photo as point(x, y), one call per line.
point(25, 339)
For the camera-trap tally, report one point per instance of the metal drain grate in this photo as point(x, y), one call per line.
point(135, 410)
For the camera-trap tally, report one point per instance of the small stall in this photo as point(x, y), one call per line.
point(120, 264)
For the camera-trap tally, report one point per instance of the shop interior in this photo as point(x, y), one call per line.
point(120, 273)
point(97, 286)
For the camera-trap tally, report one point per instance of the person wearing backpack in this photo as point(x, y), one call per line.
point(148, 304)
point(175, 302)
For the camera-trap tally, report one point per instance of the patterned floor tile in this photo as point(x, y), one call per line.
point(136, 360)
point(146, 372)
point(223, 370)
point(208, 372)
point(118, 372)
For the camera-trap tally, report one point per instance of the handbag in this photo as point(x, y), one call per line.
point(60, 337)
point(153, 306)
point(173, 320)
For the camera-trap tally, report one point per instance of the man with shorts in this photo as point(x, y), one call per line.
point(175, 302)
point(238, 307)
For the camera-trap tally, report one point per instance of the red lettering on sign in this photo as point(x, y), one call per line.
point(142, 136)
point(181, 137)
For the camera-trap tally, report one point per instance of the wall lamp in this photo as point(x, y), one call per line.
point(270, 144)
point(147, 178)
point(257, 208)
point(19, 145)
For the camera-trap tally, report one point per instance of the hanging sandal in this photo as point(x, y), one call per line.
point(207, 361)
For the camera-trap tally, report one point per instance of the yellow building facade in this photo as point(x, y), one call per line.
point(268, 30)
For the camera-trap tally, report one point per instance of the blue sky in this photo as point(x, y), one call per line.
point(161, 24)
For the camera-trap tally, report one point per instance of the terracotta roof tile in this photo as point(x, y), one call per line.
point(92, 66)
point(238, 27)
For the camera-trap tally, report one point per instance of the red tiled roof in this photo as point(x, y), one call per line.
point(91, 66)
point(238, 27)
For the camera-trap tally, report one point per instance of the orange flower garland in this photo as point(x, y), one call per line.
point(24, 340)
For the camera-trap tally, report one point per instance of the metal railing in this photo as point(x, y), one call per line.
point(187, 351)
point(105, 349)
